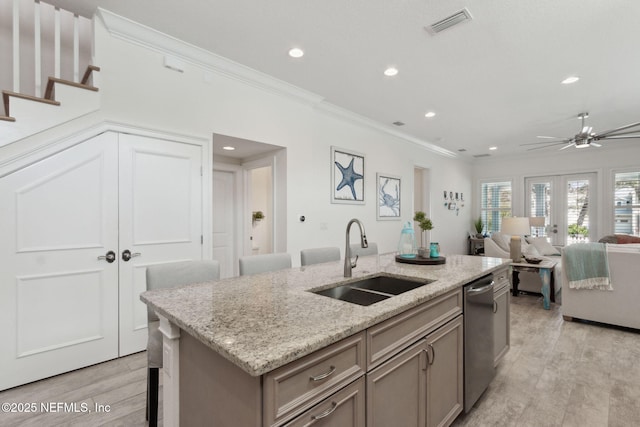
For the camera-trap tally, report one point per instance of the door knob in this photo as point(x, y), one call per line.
point(127, 255)
point(109, 257)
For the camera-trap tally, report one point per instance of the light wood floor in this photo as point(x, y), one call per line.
point(556, 374)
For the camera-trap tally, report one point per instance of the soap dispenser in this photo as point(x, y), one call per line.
point(407, 244)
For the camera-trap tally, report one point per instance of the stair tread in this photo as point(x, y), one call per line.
point(49, 93)
point(70, 83)
point(30, 97)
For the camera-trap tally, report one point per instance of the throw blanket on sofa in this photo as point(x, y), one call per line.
point(587, 266)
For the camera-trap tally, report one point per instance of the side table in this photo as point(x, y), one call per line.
point(475, 244)
point(545, 269)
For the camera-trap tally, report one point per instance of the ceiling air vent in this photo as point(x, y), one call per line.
point(449, 21)
point(477, 156)
point(398, 123)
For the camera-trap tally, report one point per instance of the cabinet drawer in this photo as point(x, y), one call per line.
point(387, 338)
point(296, 387)
point(344, 408)
point(501, 279)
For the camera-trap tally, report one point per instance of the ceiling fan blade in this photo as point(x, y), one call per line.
point(548, 137)
point(559, 141)
point(568, 145)
point(595, 144)
point(620, 136)
point(609, 132)
point(547, 146)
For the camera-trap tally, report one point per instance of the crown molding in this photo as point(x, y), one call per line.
point(364, 121)
point(135, 33)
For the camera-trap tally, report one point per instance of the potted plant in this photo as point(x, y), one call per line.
point(256, 216)
point(479, 226)
point(425, 225)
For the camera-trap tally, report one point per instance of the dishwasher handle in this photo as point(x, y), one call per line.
point(480, 290)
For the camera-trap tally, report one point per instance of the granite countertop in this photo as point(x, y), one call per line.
point(264, 321)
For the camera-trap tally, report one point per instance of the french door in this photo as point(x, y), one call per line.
point(78, 230)
point(567, 204)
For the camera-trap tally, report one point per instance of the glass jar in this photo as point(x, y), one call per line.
point(407, 244)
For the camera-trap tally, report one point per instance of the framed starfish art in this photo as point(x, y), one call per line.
point(347, 176)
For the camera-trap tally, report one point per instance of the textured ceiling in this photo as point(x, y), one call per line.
point(493, 81)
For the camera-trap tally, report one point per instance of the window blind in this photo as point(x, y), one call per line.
point(626, 203)
point(495, 203)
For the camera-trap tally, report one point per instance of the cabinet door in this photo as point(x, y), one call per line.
point(396, 390)
point(160, 202)
point(445, 373)
point(58, 299)
point(345, 408)
point(501, 320)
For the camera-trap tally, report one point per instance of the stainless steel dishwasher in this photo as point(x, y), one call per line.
point(478, 339)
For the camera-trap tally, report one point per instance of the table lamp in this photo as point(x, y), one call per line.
point(536, 222)
point(516, 227)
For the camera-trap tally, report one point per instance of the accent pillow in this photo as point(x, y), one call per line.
point(543, 246)
point(530, 251)
point(502, 240)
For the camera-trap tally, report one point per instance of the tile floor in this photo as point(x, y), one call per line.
point(556, 373)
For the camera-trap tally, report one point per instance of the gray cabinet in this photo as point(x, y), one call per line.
point(501, 318)
point(396, 390)
point(445, 376)
point(406, 370)
point(422, 384)
point(344, 408)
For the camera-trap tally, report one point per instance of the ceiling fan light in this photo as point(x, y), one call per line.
point(582, 144)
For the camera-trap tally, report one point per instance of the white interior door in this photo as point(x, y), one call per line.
point(224, 221)
point(58, 300)
point(160, 220)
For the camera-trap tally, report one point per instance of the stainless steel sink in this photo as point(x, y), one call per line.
point(371, 290)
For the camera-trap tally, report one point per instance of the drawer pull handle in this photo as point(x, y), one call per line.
point(326, 413)
point(433, 354)
point(320, 377)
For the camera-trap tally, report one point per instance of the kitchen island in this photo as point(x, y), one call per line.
point(249, 327)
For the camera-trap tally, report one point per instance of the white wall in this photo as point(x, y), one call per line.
point(612, 157)
point(137, 89)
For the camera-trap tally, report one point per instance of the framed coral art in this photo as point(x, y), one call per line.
point(388, 197)
point(347, 176)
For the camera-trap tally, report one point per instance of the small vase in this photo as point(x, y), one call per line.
point(423, 252)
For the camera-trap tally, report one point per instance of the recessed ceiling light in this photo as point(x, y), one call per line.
point(229, 148)
point(570, 80)
point(296, 52)
point(391, 71)
point(493, 148)
point(430, 114)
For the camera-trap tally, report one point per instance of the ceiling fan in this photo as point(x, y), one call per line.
point(586, 137)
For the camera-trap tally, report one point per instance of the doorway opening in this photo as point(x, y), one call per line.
point(249, 200)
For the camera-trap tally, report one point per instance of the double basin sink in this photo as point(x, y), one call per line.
point(371, 290)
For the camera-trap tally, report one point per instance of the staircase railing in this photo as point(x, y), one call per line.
point(41, 45)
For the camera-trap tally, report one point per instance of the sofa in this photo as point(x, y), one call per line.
point(616, 307)
point(498, 246)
